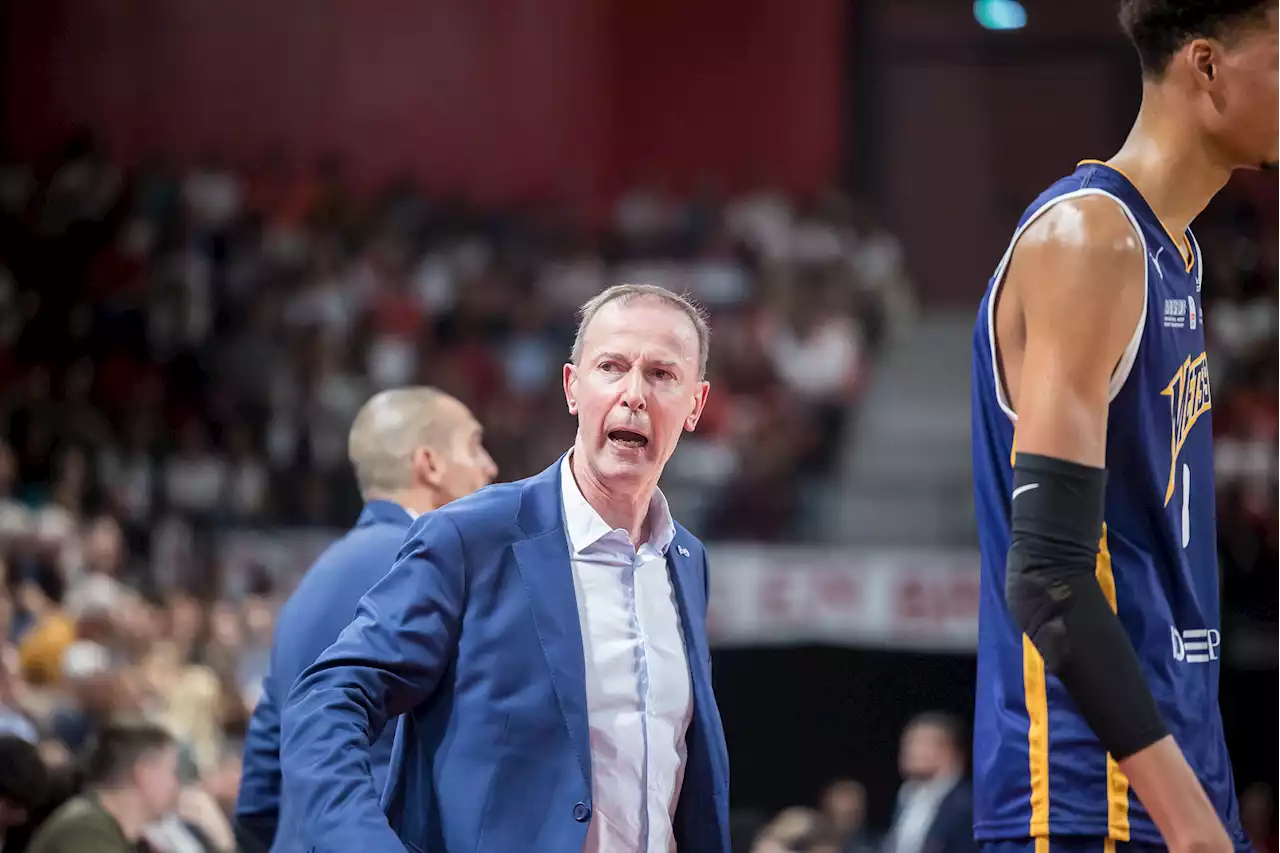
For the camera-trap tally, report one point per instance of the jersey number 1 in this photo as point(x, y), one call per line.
point(1186, 504)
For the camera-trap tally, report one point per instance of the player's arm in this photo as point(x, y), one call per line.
point(1078, 280)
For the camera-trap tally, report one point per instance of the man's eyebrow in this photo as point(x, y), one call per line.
point(664, 363)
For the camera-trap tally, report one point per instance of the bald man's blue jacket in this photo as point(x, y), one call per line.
point(474, 637)
point(315, 614)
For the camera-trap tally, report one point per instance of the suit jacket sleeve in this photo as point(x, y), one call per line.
point(308, 625)
point(258, 804)
point(386, 661)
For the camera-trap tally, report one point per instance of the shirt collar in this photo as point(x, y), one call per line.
point(585, 526)
point(380, 511)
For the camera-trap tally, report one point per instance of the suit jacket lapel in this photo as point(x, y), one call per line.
point(545, 568)
point(706, 769)
point(690, 598)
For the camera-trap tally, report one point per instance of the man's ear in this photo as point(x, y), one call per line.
point(570, 384)
point(428, 468)
point(699, 403)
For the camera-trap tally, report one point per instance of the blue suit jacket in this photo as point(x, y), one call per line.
point(474, 635)
point(952, 827)
point(323, 604)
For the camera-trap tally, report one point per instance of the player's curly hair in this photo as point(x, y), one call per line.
point(1158, 28)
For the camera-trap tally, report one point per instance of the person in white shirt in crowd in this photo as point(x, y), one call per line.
point(934, 813)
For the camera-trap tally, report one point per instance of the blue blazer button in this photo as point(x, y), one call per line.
point(581, 812)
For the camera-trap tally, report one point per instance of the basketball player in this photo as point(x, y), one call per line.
point(1097, 725)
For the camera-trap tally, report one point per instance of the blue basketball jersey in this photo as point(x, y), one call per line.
point(1039, 770)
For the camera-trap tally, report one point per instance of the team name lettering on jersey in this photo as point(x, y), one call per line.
point(1195, 645)
point(1188, 394)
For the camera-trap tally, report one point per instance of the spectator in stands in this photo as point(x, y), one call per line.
point(844, 804)
point(131, 783)
point(48, 630)
point(13, 718)
point(62, 782)
point(23, 784)
point(797, 830)
point(100, 587)
point(90, 691)
point(934, 813)
point(1258, 816)
point(818, 351)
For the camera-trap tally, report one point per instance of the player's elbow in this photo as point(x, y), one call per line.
point(1034, 607)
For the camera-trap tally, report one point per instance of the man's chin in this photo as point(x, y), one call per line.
point(617, 460)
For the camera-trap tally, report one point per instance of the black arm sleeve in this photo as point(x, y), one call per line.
point(1055, 599)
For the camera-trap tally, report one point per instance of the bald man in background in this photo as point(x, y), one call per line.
point(413, 451)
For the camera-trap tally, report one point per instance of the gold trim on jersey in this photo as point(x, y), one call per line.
point(1035, 694)
point(1037, 699)
point(1117, 782)
point(1183, 245)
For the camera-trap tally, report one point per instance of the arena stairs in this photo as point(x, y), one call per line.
point(907, 475)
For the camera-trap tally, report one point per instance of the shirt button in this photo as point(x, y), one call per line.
point(581, 812)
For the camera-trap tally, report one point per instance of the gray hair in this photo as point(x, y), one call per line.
point(389, 427)
point(624, 293)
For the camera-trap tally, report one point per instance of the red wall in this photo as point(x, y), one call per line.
point(742, 89)
point(499, 98)
point(977, 124)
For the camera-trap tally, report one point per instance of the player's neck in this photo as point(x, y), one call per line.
point(1174, 170)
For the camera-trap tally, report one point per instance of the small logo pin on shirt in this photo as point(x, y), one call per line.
point(684, 552)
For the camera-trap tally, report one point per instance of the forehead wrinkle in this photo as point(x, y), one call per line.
point(665, 357)
point(613, 317)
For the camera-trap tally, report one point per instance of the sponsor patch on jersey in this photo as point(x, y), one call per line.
point(1176, 313)
point(1196, 645)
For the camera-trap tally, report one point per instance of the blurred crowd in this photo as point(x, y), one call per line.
point(82, 649)
point(196, 343)
point(1239, 239)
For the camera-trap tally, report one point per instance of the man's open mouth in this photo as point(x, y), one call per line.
point(627, 438)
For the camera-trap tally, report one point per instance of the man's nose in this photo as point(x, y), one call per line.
point(633, 391)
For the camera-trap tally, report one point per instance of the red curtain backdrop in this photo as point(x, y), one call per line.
point(500, 99)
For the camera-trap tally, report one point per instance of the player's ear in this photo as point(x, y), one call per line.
point(1202, 54)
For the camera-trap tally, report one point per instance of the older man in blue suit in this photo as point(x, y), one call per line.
point(413, 450)
point(545, 640)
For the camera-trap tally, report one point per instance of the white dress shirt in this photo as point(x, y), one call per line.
point(918, 804)
point(639, 697)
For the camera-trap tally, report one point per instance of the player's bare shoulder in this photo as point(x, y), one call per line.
point(1080, 248)
point(1074, 289)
